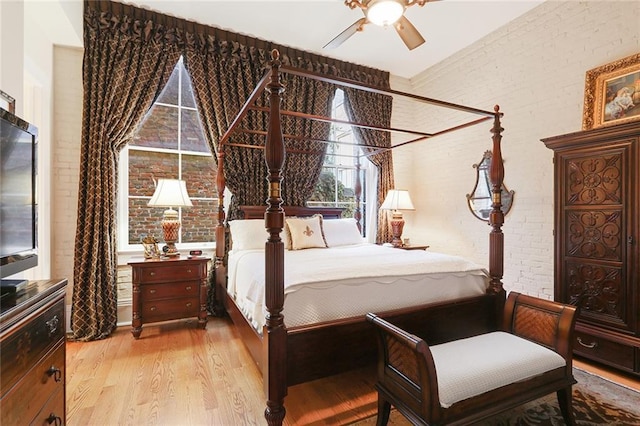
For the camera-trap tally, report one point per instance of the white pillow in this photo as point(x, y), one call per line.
point(248, 234)
point(341, 232)
point(306, 232)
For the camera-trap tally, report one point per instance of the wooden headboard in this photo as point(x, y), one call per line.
point(257, 212)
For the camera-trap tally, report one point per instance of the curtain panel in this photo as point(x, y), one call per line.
point(126, 64)
point(369, 107)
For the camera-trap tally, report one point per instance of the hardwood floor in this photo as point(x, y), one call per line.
point(177, 374)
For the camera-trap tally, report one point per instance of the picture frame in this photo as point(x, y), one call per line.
point(7, 102)
point(612, 93)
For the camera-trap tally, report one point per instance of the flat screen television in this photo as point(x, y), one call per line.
point(18, 201)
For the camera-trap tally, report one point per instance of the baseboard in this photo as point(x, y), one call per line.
point(125, 314)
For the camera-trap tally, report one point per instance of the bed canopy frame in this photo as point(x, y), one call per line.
point(289, 356)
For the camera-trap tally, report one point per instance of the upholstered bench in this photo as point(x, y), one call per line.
point(467, 380)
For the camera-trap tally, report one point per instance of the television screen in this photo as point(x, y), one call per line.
point(18, 222)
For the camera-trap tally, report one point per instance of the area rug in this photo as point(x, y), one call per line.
point(596, 401)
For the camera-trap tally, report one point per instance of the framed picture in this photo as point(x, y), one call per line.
point(7, 102)
point(612, 93)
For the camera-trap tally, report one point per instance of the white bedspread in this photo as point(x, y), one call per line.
point(381, 271)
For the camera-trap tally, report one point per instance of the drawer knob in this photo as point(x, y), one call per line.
point(587, 345)
point(188, 288)
point(152, 273)
point(153, 308)
point(188, 305)
point(152, 291)
point(55, 372)
point(55, 420)
point(52, 325)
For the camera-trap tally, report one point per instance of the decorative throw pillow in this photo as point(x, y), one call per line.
point(341, 232)
point(306, 232)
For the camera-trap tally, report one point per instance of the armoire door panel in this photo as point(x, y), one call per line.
point(600, 291)
point(595, 234)
point(594, 179)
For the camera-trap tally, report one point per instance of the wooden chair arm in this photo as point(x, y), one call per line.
point(546, 322)
point(406, 367)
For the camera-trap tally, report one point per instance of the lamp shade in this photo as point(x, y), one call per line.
point(397, 199)
point(384, 12)
point(170, 193)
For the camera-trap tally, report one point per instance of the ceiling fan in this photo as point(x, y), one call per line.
point(383, 13)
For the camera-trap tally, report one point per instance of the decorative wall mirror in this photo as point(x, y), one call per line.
point(479, 200)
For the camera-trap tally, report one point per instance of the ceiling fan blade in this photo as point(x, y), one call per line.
point(408, 33)
point(343, 36)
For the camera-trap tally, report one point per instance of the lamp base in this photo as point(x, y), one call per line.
point(170, 228)
point(170, 250)
point(397, 224)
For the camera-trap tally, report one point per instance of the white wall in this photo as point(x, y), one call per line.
point(534, 68)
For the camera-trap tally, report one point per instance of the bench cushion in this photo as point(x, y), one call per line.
point(473, 366)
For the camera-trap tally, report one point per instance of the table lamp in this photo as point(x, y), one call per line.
point(170, 193)
point(397, 200)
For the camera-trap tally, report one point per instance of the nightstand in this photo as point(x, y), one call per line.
point(412, 247)
point(168, 289)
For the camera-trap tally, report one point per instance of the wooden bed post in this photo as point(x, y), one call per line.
point(219, 262)
point(496, 218)
point(275, 346)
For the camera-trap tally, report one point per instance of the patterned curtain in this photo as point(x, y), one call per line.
point(368, 107)
point(223, 74)
point(127, 62)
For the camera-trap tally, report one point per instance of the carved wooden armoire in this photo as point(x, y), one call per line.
point(597, 255)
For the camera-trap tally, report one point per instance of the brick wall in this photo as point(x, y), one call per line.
point(534, 68)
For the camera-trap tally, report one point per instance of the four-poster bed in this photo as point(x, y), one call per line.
point(290, 355)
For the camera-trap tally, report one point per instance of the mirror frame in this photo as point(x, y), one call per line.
point(482, 178)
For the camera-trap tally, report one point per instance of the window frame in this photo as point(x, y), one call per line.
point(123, 197)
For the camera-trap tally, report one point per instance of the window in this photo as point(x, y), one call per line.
point(336, 185)
point(168, 144)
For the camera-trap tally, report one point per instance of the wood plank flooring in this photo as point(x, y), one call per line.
point(177, 374)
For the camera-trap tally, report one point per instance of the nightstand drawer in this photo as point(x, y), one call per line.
point(31, 393)
point(170, 272)
point(169, 291)
point(603, 350)
point(163, 310)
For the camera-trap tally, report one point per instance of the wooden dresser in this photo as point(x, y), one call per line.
point(597, 254)
point(32, 355)
point(167, 289)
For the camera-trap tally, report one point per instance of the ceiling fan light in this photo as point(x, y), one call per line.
point(384, 12)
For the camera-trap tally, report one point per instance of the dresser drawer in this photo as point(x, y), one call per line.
point(171, 272)
point(53, 413)
point(25, 344)
point(163, 310)
point(604, 351)
point(26, 398)
point(169, 291)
